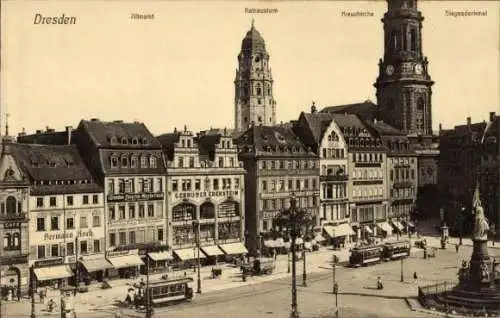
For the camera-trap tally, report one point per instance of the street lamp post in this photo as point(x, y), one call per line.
point(336, 292)
point(304, 274)
point(33, 287)
point(402, 275)
point(295, 221)
point(196, 228)
point(460, 223)
point(288, 261)
point(149, 308)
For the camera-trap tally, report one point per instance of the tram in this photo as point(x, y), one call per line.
point(365, 255)
point(396, 250)
point(170, 291)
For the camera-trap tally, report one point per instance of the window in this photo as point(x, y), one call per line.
point(54, 223)
point(83, 247)
point(112, 239)
point(144, 162)
point(264, 185)
point(122, 238)
point(52, 201)
point(54, 250)
point(216, 184)
point(420, 104)
point(111, 213)
point(160, 185)
point(236, 183)
point(121, 186)
point(151, 210)
point(85, 199)
point(413, 40)
point(40, 224)
point(96, 221)
point(160, 234)
point(221, 162)
point(131, 211)
point(297, 184)
point(197, 184)
point(83, 222)
point(95, 199)
point(141, 210)
point(131, 237)
point(70, 248)
point(290, 184)
point(111, 186)
point(121, 212)
point(152, 162)
point(114, 162)
point(191, 162)
point(39, 202)
point(70, 223)
point(97, 246)
point(129, 186)
point(133, 162)
point(40, 251)
point(181, 162)
point(124, 162)
point(175, 185)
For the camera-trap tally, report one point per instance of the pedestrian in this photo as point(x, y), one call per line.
point(415, 277)
point(457, 247)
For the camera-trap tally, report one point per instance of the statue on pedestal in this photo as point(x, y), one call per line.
point(481, 226)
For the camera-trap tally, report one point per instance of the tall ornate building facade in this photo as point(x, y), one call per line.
point(14, 229)
point(320, 132)
point(205, 185)
point(278, 164)
point(404, 84)
point(254, 101)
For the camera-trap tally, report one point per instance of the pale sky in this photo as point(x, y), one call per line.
point(178, 69)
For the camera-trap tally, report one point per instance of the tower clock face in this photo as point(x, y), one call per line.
point(389, 70)
point(418, 68)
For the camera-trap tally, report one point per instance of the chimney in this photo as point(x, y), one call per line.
point(440, 127)
point(468, 121)
point(492, 116)
point(38, 131)
point(69, 132)
point(94, 119)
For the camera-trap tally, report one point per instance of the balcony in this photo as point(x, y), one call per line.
point(334, 178)
point(23, 216)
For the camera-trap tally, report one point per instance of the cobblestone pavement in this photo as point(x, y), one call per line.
point(101, 303)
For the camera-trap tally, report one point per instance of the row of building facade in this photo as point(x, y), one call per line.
point(103, 199)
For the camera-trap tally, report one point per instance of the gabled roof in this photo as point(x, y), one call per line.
point(318, 124)
point(136, 134)
point(356, 108)
point(385, 129)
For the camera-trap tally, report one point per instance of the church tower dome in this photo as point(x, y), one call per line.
point(254, 102)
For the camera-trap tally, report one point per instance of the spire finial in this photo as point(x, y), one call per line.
point(253, 22)
point(7, 124)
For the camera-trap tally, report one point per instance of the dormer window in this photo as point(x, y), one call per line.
point(124, 141)
point(135, 141)
point(113, 140)
point(114, 162)
point(144, 141)
point(133, 161)
point(144, 162)
point(124, 162)
point(152, 162)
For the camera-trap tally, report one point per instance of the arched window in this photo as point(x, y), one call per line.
point(11, 205)
point(133, 161)
point(207, 211)
point(6, 241)
point(228, 209)
point(152, 162)
point(124, 161)
point(113, 140)
point(394, 41)
point(114, 162)
point(258, 90)
point(184, 212)
point(124, 141)
point(16, 240)
point(420, 104)
point(413, 40)
point(144, 162)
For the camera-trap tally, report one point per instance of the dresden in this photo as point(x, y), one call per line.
point(63, 19)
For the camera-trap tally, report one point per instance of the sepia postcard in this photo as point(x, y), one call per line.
point(309, 159)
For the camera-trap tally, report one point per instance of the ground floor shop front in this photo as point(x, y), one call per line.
point(14, 277)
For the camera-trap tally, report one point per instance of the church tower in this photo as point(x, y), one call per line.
point(404, 85)
point(254, 102)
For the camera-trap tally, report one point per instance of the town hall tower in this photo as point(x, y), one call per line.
point(403, 84)
point(254, 102)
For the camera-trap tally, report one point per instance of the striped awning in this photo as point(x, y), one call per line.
point(160, 256)
point(186, 254)
point(126, 261)
point(398, 225)
point(94, 265)
point(212, 250)
point(234, 248)
point(53, 272)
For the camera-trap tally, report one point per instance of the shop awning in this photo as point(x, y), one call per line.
point(329, 230)
point(398, 225)
point(212, 250)
point(94, 265)
point(367, 229)
point(186, 254)
point(270, 243)
point(410, 223)
point(308, 245)
point(234, 248)
point(339, 230)
point(53, 272)
point(385, 226)
point(160, 256)
point(126, 261)
point(299, 241)
point(319, 238)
